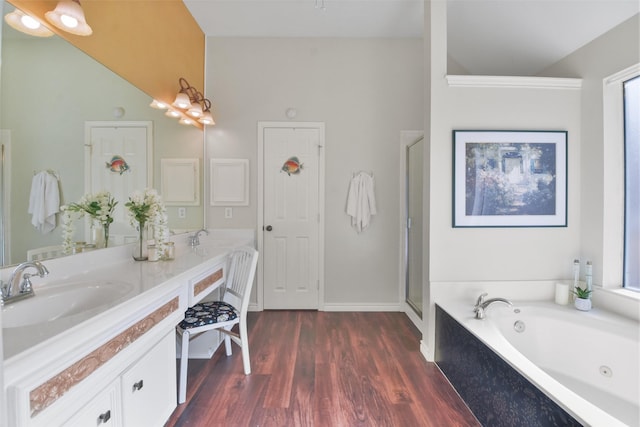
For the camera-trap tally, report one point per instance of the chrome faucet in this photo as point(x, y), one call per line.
point(11, 291)
point(195, 239)
point(482, 305)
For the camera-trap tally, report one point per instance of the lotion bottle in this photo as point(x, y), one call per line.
point(588, 278)
point(576, 277)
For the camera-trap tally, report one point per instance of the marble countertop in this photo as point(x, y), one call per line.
point(148, 279)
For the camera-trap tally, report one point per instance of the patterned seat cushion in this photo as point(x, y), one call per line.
point(207, 313)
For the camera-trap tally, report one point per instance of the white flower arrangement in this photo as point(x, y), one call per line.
point(147, 208)
point(98, 207)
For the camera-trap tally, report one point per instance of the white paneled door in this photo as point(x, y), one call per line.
point(291, 215)
point(118, 159)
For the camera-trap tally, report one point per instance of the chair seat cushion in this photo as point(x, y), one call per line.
point(207, 313)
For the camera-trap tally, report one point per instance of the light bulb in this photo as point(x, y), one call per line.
point(69, 21)
point(29, 22)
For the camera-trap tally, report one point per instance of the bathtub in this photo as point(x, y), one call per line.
point(586, 363)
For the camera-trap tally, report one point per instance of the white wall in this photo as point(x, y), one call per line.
point(459, 254)
point(366, 91)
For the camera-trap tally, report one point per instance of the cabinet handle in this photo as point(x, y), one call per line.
point(138, 385)
point(104, 418)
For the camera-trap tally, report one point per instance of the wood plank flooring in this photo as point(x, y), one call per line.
point(317, 369)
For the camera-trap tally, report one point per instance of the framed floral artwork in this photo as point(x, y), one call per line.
point(509, 178)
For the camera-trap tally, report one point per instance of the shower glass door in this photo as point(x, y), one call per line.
point(413, 255)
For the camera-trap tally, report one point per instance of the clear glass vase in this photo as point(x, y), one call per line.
point(140, 252)
point(99, 235)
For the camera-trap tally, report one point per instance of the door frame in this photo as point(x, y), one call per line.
point(407, 138)
point(320, 126)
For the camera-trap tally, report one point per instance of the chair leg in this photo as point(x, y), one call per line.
point(227, 341)
point(184, 361)
point(244, 338)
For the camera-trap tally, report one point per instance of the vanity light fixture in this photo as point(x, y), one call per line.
point(27, 24)
point(190, 106)
point(69, 16)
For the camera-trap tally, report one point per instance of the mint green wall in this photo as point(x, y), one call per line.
point(48, 90)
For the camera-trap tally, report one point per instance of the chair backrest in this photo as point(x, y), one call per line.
point(46, 252)
point(241, 272)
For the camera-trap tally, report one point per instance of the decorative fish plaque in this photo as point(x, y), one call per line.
point(292, 166)
point(118, 165)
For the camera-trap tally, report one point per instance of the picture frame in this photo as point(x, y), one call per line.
point(504, 178)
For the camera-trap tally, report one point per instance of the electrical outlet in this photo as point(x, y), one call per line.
point(228, 212)
point(182, 213)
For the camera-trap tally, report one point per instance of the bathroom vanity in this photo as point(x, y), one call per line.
point(109, 357)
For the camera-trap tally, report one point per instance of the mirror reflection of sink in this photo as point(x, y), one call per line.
point(58, 301)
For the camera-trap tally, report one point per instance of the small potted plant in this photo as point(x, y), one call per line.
point(583, 298)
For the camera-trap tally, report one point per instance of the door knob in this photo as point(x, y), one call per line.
point(268, 228)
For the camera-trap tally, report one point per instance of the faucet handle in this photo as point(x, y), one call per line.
point(481, 299)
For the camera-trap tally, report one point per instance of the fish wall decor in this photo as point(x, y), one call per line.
point(292, 166)
point(118, 165)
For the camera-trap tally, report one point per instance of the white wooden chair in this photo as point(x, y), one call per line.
point(45, 252)
point(221, 315)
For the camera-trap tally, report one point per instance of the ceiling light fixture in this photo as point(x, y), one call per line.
point(69, 16)
point(190, 106)
point(320, 5)
point(27, 24)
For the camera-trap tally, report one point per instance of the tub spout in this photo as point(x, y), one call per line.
point(482, 305)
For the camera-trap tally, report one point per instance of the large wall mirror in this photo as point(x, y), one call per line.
point(49, 89)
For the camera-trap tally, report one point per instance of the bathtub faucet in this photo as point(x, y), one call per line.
point(482, 305)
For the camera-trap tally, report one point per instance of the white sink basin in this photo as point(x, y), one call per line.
point(59, 301)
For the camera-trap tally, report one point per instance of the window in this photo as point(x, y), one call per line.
point(615, 258)
point(631, 100)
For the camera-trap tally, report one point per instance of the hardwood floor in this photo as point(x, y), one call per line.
point(322, 369)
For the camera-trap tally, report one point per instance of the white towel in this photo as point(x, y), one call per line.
point(361, 201)
point(44, 201)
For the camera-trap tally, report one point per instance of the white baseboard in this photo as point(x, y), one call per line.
point(424, 349)
point(361, 307)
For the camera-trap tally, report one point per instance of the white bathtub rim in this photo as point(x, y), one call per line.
point(578, 407)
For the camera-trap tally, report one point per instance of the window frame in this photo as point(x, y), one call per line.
point(614, 177)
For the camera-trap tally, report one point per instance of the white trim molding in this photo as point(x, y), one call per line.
point(514, 82)
point(392, 307)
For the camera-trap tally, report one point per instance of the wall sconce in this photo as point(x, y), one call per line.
point(27, 24)
point(189, 106)
point(69, 16)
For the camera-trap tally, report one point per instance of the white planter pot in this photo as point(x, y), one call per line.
point(583, 304)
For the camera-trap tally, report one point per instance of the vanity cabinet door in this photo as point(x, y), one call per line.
point(149, 386)
point(103, 410)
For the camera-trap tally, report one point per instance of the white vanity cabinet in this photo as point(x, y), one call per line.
point(115, 367)
point(127, 379)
